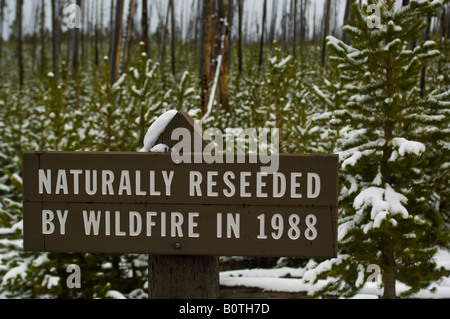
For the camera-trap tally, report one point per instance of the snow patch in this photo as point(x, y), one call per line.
point(156, 129)
point(407, 147)
point(384, 202)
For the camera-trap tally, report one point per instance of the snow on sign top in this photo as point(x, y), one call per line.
point(156, 129)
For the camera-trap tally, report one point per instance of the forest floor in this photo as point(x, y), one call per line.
point(287, 283)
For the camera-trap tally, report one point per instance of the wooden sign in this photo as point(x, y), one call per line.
point(147, 203)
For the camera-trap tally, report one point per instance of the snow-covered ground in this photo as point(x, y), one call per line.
point(275, 280)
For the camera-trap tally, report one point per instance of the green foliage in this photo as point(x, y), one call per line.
point(390, 151)
point(341, 109)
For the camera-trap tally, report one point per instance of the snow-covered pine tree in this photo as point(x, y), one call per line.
point(389, 222)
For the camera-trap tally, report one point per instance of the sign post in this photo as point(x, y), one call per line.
point(184, 215)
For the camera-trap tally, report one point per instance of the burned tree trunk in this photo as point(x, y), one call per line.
point(117, 42)
point(127, 36)
point(225, 19)
point(2, 19)
point(240, 13)
point(325, 32)
point(19, 9)
point(207, 46)
point(173, 35)
point(55, 40)
point(144, 27)
point(263, 28)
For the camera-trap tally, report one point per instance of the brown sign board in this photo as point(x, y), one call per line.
point(122, 202)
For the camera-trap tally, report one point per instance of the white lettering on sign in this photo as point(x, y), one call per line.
point(240, 184)
point(233, 225)
point(180, 225)
point(277, 227)
point(48, 224)
point(99, 222)
point(244, 184)
point(102, 182)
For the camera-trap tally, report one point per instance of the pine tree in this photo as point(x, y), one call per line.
point(389, 222)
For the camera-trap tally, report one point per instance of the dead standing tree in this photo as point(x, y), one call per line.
point(173, 35)
point(117, 42)
point(55, 40)
point(225, 21)
point(208, 32)
point(2, 19)
point(325, 31)
point(144, 27)
point(19, 9)
point(263, 28)
point(127, 36)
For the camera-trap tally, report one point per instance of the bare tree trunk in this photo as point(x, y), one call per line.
point(207, 46)
point(19, 9)
point(303, 25)
point(127, 36)
point(273, 22)
point(83, 30)
point(117, 42)
point(2, 19)
point(111, 28)
point(263, 28)
point(96, 33)
point(240, 12)
point(226, 20)
point(144, 27)
point(325, 32)
point(448, 20)
point(163, 45)
point(76, 41)
point(55, 40)
point(294, 38)
point(42, 31)
point(314, 27)
point(284, 20)
point(173, 35)
point(34, 37)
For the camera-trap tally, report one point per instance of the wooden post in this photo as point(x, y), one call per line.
point(182, 277)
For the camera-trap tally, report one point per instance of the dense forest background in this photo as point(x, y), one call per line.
point(95, 79)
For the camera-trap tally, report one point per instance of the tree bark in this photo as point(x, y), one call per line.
point(263, 28)
point(96, 34)
point(144, 27)
point(19, 9)
point(173, 36)
point(55, 40)
point(207, 46)
point(226, 20)
point(117, 42)
point(2, 19)
point(76, 41)
point(294, 38)
point(164, 36)
point(127, 36)
point(42, 31)
point(240, 13)
point(325, 32)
